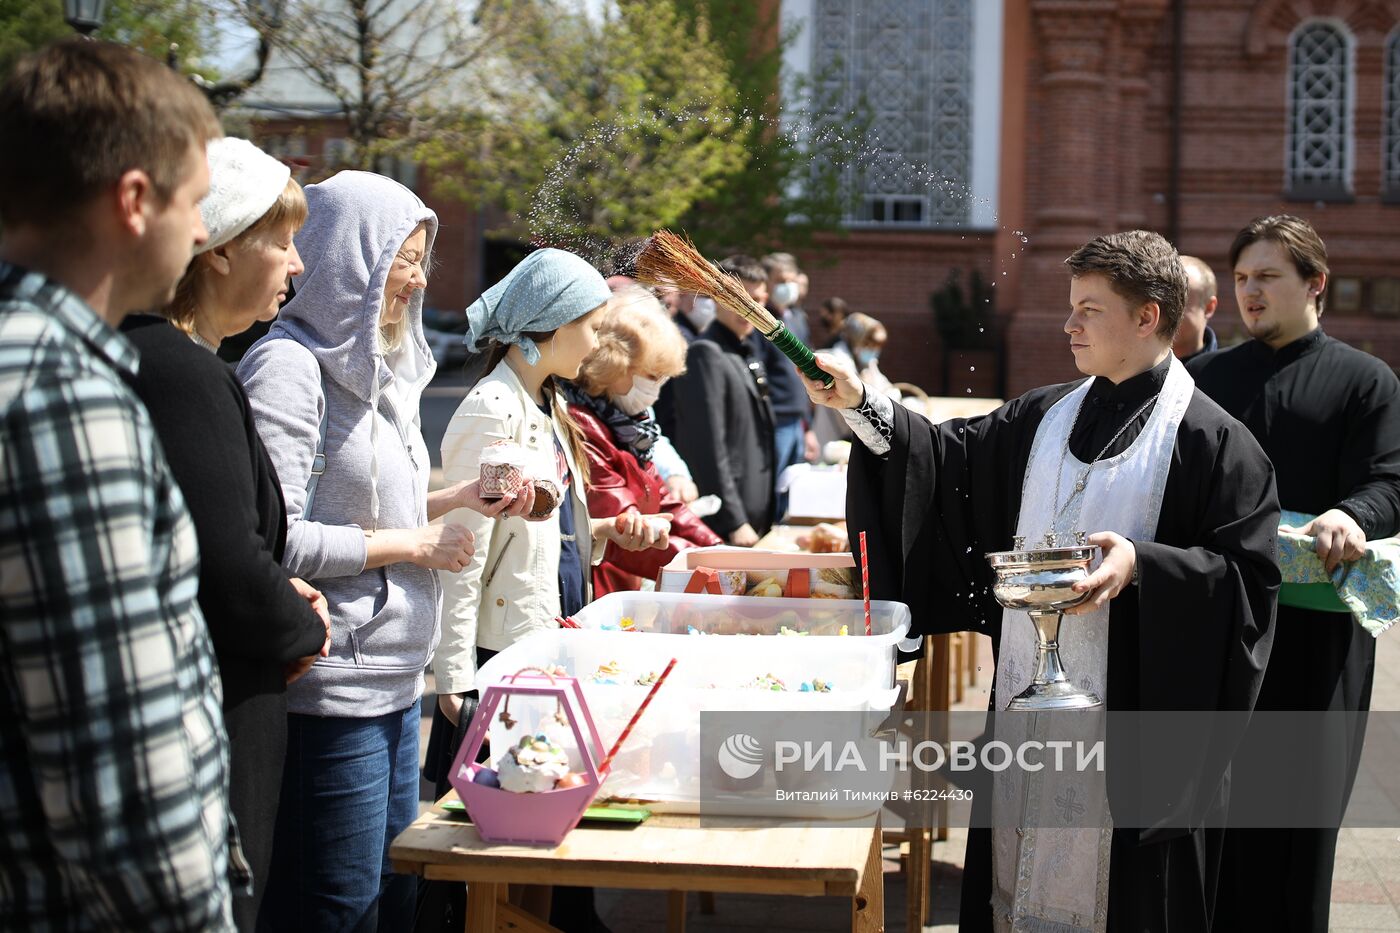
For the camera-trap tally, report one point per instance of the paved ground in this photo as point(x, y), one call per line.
point(440, 400)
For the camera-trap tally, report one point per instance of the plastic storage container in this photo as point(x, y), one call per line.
point(661, 760)
point(678, 613)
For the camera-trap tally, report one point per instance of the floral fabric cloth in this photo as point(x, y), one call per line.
point(1369, 587)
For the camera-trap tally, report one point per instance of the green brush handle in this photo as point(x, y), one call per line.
point(802, 358)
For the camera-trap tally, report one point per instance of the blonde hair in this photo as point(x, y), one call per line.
point(391, 333)
point(637, 335)
point(288, 212)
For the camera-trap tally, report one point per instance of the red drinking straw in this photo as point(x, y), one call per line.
point(865, 579)
point(635, 716)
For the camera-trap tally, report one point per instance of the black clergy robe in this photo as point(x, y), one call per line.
point(1327, 416)
point(1194, 634)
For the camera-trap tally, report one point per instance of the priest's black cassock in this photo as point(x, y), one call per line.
point(1194, 634)
point(1327, 416)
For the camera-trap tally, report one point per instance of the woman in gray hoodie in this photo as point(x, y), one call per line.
point(335, 388)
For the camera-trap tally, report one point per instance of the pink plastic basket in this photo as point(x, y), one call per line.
point(544, 818)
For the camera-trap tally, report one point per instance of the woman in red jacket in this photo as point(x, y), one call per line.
point(639, 348)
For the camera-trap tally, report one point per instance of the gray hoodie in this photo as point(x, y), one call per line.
point(321, 360)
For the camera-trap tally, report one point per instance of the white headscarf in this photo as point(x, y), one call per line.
point(244, 183)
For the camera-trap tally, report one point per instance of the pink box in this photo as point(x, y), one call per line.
point(543, 818)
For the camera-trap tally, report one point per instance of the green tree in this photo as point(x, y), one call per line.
point(149, 25)
point(965, 320)
point(609, 126)
point(26, 25)
point(154, 26)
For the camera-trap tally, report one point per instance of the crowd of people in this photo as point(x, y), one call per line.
point(221, 588)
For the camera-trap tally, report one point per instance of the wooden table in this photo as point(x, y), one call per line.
point(668, 852)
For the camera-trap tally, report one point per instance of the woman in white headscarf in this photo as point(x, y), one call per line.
point(267, 629)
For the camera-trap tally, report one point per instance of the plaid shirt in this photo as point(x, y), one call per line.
point(113, 757)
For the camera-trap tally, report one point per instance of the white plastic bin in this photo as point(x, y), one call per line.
point(661, 759)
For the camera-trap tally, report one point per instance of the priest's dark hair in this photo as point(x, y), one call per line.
point(1140, 266)
point(744, 268)
point(1294, 234)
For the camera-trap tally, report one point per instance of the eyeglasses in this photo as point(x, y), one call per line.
point(760, 376)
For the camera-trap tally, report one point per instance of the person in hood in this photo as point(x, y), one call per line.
point(334, 387)
point(639, 350)
point(537, 325)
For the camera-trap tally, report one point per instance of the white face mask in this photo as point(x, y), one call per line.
point(702, 312)
point(641, 396)
point(784, 295)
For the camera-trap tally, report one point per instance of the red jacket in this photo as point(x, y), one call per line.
point(618, 482)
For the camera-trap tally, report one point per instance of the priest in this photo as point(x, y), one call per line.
point(1328, 416)
point(1179, 612)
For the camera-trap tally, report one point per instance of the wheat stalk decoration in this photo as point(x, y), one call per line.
point(671, 259)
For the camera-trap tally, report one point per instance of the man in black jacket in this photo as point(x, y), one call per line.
point(1328, 416)
point(724, 421)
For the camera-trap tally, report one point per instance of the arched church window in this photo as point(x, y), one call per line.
point(1320, 98)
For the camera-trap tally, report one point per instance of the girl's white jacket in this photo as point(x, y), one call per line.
point(511, 586)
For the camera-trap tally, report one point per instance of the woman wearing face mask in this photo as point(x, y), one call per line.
point(335, 388)
point(639, 349)
point(862, 338)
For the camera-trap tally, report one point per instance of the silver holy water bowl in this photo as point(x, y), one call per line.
point(1040, 581)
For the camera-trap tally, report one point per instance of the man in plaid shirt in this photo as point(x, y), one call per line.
point(113, 758)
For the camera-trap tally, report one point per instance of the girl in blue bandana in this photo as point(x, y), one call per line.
point(536, 326)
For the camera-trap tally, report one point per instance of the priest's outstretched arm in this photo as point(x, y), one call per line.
point(932, 499)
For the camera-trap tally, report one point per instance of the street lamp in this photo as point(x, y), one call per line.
point(83, 15)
